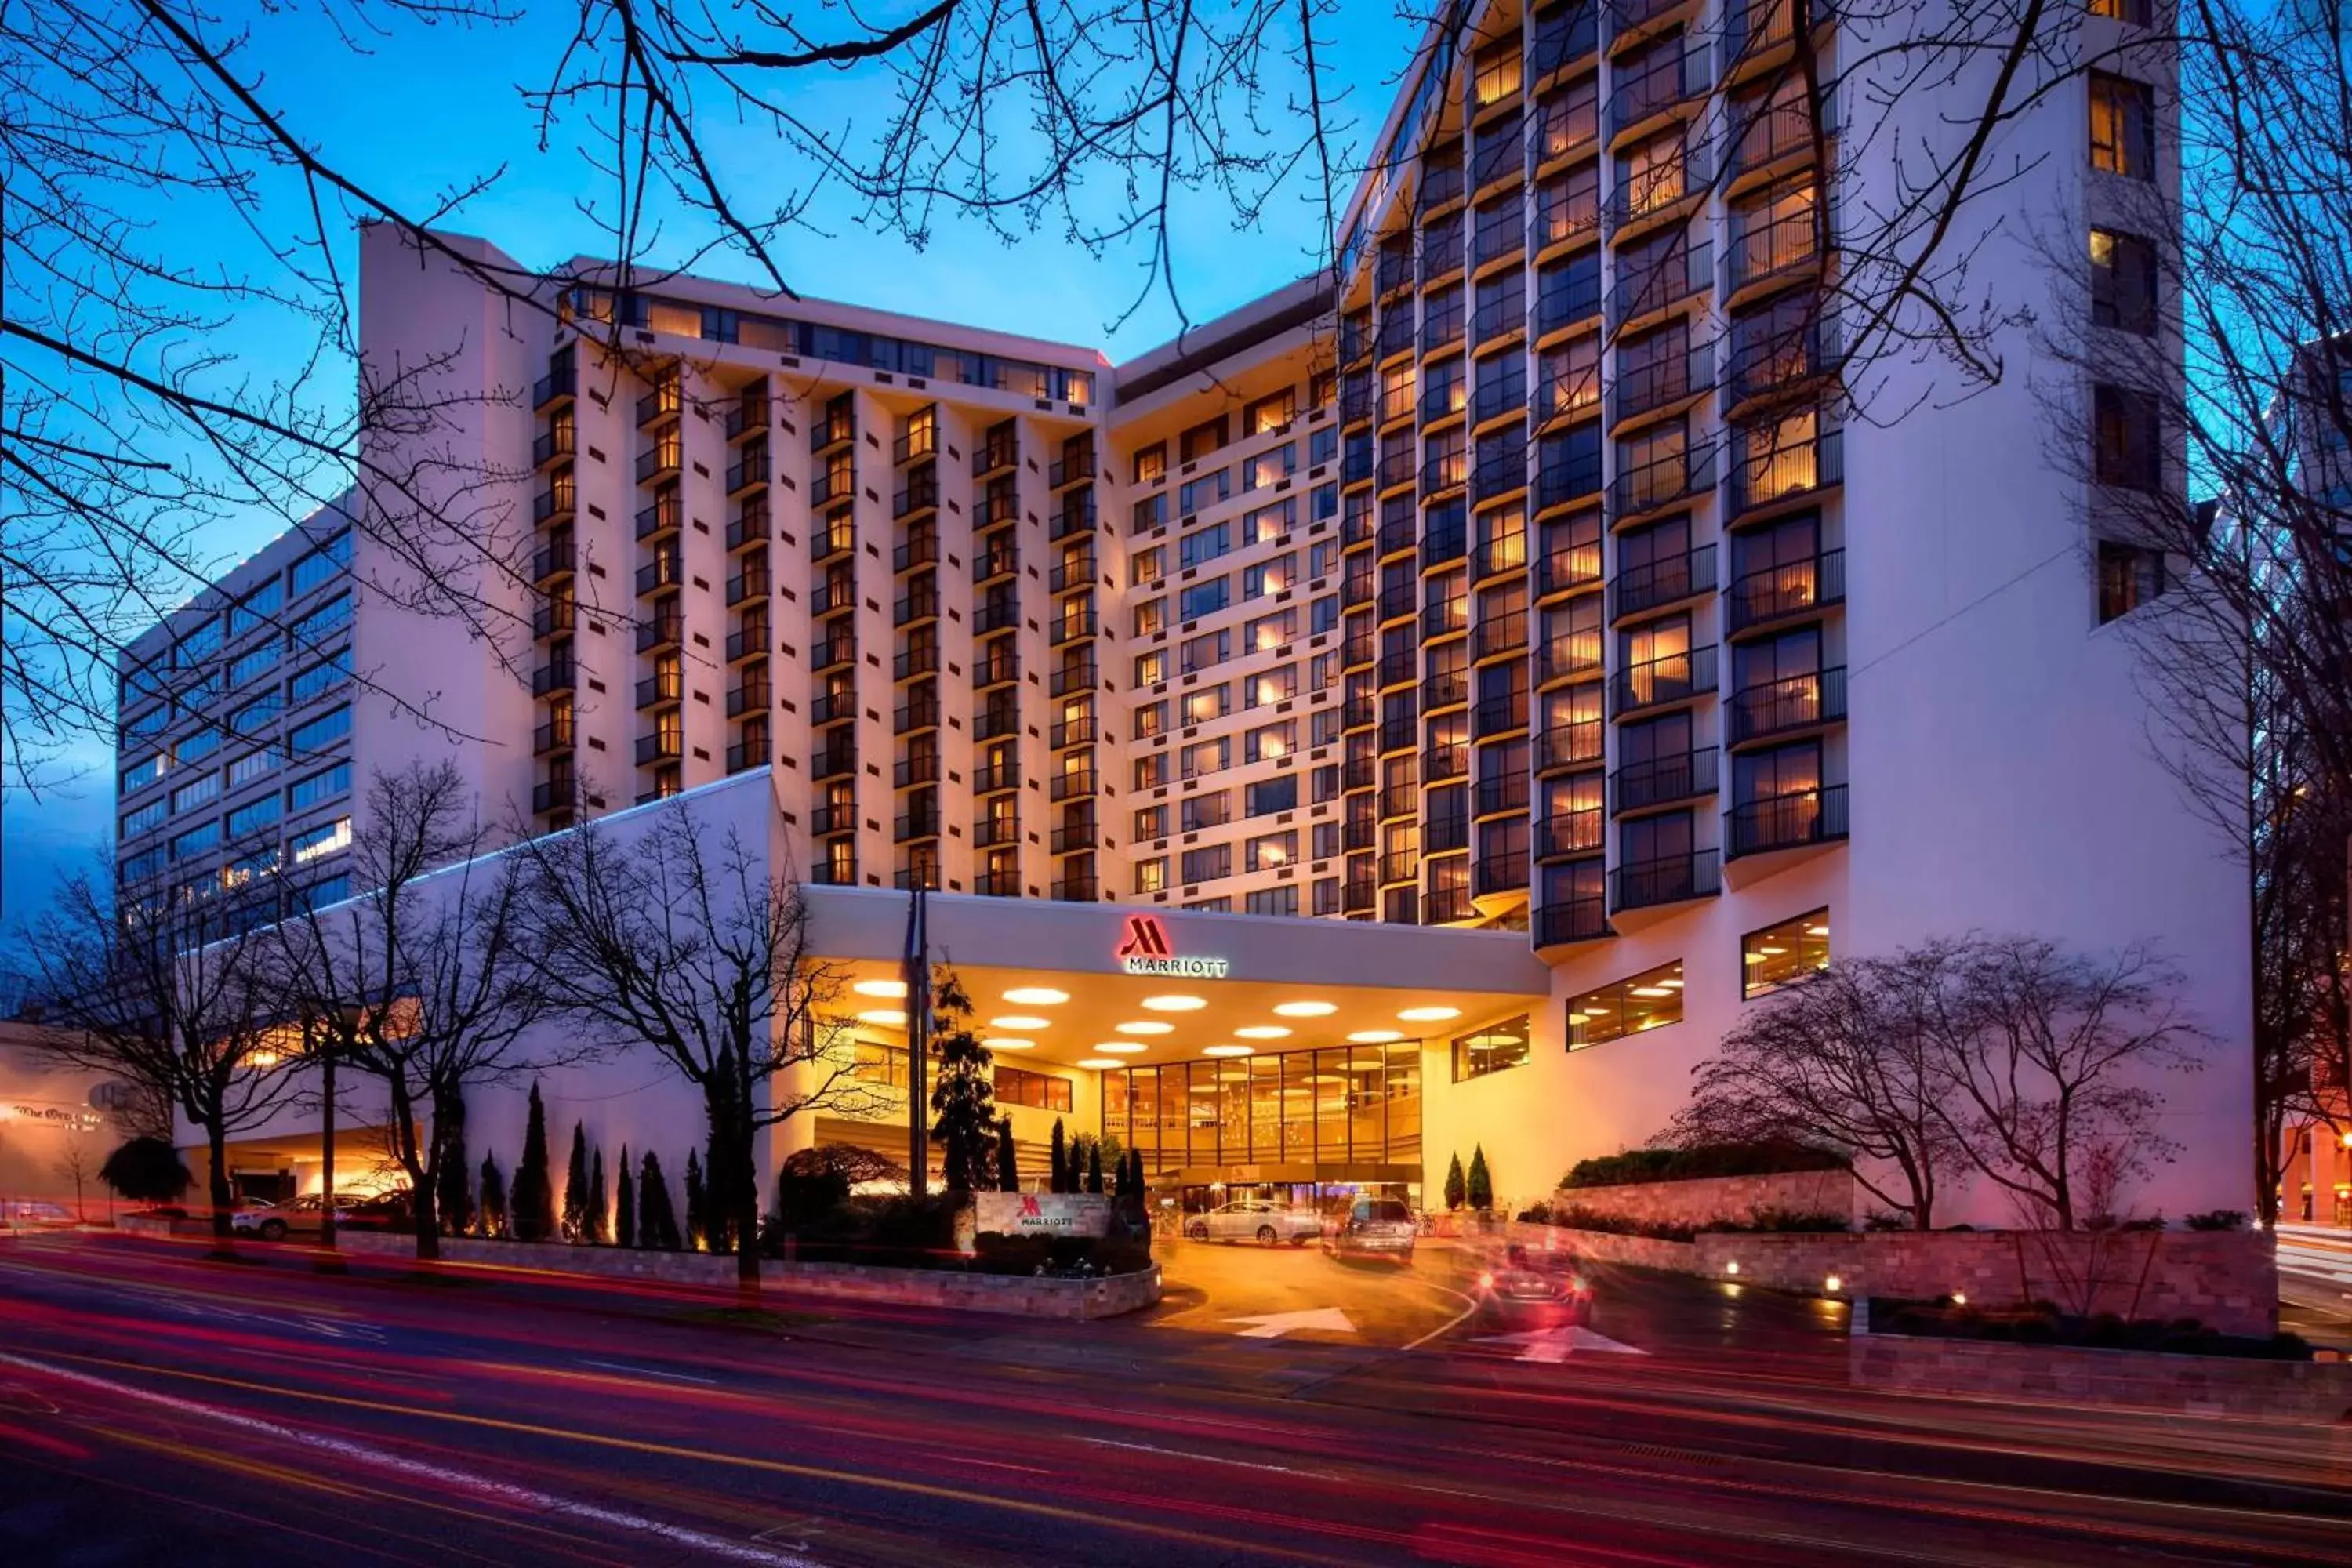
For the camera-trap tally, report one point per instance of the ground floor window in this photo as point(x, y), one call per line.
point(1770, 958)
point(1491, 1049)
point(1357, 1104)
point(1644, 1001)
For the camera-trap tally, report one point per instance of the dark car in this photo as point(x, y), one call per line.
point(1373, 1228)
point(385, 1211)
point(1536, 1289)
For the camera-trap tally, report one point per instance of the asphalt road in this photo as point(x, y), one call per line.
point(158, 1407)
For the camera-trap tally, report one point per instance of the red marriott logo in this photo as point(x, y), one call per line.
point(1144, 948)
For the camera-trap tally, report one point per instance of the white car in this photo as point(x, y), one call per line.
point(1261, 1220)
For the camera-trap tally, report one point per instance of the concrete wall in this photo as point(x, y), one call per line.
point(1721, 1197)
point(2315, 1394)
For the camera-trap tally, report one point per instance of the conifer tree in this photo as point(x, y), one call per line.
point(1060, 1180)
point(1481, 1188)
point(454, 1195)
point(1094, 1168)
point(1008, 1160)
point(1453, 1187)
point(575, 1187)
point(697, 1213)
point(716, 1229)
point(624, 1204)
point(494, 1198)
point(600, 1219)
point(963, 1098)
point(532, 1216)
point(656, 1221)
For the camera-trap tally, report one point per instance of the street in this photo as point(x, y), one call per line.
point(156, 1405)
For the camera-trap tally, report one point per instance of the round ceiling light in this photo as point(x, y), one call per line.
point(1653, 992)
point(1366, 1064)
point(1429, 1015)
point(1174, 1004)
point(884, 1017)
point(1226, 1051)
point(892, 989)
point(1037, 996)
point(1145, 1027)
point(1100, 1063)
point(1374, 1038)
point(1263, 1032)
point(1007, 1043)
point(1020, 1021)
point(1122, 1048)
point(1305, 1009)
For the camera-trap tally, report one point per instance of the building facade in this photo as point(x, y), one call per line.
point(1544, 569)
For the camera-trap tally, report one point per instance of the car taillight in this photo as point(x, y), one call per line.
point(1576, 1283)
point(1486, 1282)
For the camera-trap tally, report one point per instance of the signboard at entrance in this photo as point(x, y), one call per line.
point(1144, 948)
point(1041, 1214)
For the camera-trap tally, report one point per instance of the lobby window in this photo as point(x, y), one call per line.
point(1649, 1000)
point(1771, 958)
point(1492, 1050)
point(2123, 126)
point(1038, 1090)
point(2123, 282)
point(2130, 575)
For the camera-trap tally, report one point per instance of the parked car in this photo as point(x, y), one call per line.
point(1374, 1227)
point(385, 1211)
point(1261, 1220)
point(24, 1212)
point(1535, 1288)
point(276, 1222)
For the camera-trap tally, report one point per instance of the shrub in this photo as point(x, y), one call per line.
point(1767, 1220)
point(1700, 1162)
point(2040, 1323)
point(532, 1205)
point(1455, 1189)
point(2218, 1219)
point(146, 1170)
point(1480, 1187)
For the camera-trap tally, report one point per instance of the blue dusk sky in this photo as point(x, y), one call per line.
point(424, 111)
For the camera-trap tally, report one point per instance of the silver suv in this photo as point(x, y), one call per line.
point(1375, 1227)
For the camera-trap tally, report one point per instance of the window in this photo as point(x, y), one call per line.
point(2135, 12)
point(1203, 598)
point(1151, 464)
point(1204, 545)
point(1268, 633)
point(195, 841)
point(1491, 1049)
point(1323, 615)
point(1269, 796)
point(196, 747)
point(196, 792)
point(1207, 757)
point(1270, 468)
point(1150, 719)
point(1282, 900)
point(255, 607)
point(1270, 851)
point(1645, 1001)
point(1038, 1090)
point(1205, 492)
point(199, 643)
point(2123, 126)
point(323, 731)
point(1150, 616)
point(309, 846)
point(1202, 652)
point(257, 814)
point(145, 818)
point(139, 775)
point(1269, 687)
point(320, 788)
point(320, 677)
point(256, 716)
point(1269, 741)
point(320, 567)
point(1151, 512)
point(1770, 958)
point(2130, 575)
point(1269, 523)
point(1201, 439)
point(322, 623)
point(1494, 73)
point(1201, 812)
point(252, 666)
point(1147, 565)
point(1208, 864)
point(2123, 282)
point(1152, 668)
point(1326, 895)
point(1151, 821)
point(1151, 876)
point(2124, 430)
point(1151, 771)
point(1209, 702)
point(250, 767)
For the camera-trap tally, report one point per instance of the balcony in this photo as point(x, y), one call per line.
point(743, 476)
point(1654, 585)
point(1789, 706)
point(1573, 656)
point(1775, 251)
point(828, 821)
point(744, 754)
point(835, 536)
point(999, 669)
point(1664, 481)
point(1663, 190)
point(659, 520)
point(1359, 894)
point(552, 619)
point(922, 494)
point(1577, 742)
point(556, 794)
point(914, 608)
point(1647, 285)
point(835, 871)
point(923, 769)
point(662, 403)
point(1400, 734)
point(1663, 781)
point(833, 652)
point(1074, 839)
point(753, 642)
point(1679, 79)
point(1577, 919)
point(1075, 785)
point(1075, 629)
point(1359, 834)
point(833, 427)
point(1079, 731)
point(1774, 594)
point(1069, 574)
point(921, 548)
point(1672, 880)
point(746, 586)
point(1565, 835)
point(749, 416)
point(1356, 713)
point(995, 780)
point(751, 697)
point(996, 723)
point(1442, 764)
point(1666, 384)
point(833, 763)
point(1662, 682)
point(834, 594)
point(662, 571)
point(1755, 32)
point(1564, 569)
point(751, 527)
point(1444, 688)
point(1561, 484)
point(560, 385)
point(838, 482)
point(1002, 560)
point(916, 825)
point(1500, 796)
point(1499, 635)
point(561, 675)
point(1077, 516)
point(665, 629)
point(1359, 774)
point(834, 707)
point(1779, 363)
point(661, 690)
point(555, 504)
point(923, 660)
point(997, 613)
point(1081, 889)
point(1781, 133)
point(994, 832)
point(549, 445)
point(660, 462)
point(560, 559)
point(1769, 475)
point(1441, 835)
point(1397, 668)
point(556, 735)
point(660, 748)
point(914, 716)
point(1069, 470)
point(1497, 876)
point(1445, 906)
point(997, 884)
point(995, 454)
point(1786, 822)
point(920, 441)
point(1069, 678)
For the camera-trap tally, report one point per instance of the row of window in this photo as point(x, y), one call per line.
point(1768, 959)
point(303, 742)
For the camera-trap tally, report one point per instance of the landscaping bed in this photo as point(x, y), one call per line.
point(2043, 1323)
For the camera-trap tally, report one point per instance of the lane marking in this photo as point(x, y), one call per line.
point(1469, 1305)
point(1274, 1325)
point(1555, 1346)
point(459, 1481)
point(649, 1372)
point(1211, 1459)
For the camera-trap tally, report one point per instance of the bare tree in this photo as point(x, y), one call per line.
point(666, 934)
point(423, 981)
point(2043, 1062)
point(1841, 1055)
point(172, 992)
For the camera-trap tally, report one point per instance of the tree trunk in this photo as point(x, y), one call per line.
point(743, 1182)
point(427, 1217)
point(224, 1201)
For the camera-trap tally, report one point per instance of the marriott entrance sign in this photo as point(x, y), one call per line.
point(1144, 948)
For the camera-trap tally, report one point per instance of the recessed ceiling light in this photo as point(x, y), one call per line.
point(1817, 930)
point(1366, 1064)
point(1429, 1015)
point(1099, 1063)
point(1652, 991)
point(1672, 984)
point(1007, 1043)
point(880, 988)
point(1145, 1027)
point(1768, 950)
point(1121, 1047)
point(1264, 1032)
point(1226, 1051)
point(1020, 1021)
point(1037, 996)
point(1305, 1009)
point(889, 1018)
point(1373, 1037)
point(1174, 1004)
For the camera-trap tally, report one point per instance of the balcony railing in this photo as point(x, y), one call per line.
point(661, 690)
point(660, 748)
point(752, 753)
point(1082, 889)
point(1677, 77)
point(555, 794)
point(922, 659)
point(556, 735)
point(990, 832)
point(1563, 568)
point(662, 630)
point(1667, 581)
point(1786, 821)
point(1000, 669)
point(1662, 187)
point(550, 445)
point(922, 769)
point(1663, 781)
point(838, 762)
point(1576, 743)
point(751, 642)
point(1776, 593)
point(1075, 785)
point(1499, 634)
point(1569, 657)
point(1440, 763)
point(830, 653)
point(754, 697)
point(561, 675)
point(1648, 284)
point(561, 383)
point(555, 502)
point(560, 559)
point(749, 416)
point(1069, 574)
point(1785, 706)
point(554, 618)
point(659, 461)
point(1080, 731)
point(1069, 470)
point(1071, 629)
point(1078, 837)
point(1662, 682)
point(662, 517)
point(663, 402)
point(994, 453)
point(1577, 919)
point(997, 884)
point(1500, 795)
point(750, 527)
point(1666, 382)
point(916, 825)
point(1666, 480)
point(1070, 677)
point(1670, 880)
point(912, 716)
point(919, 550)
point(1780, 362)
point(825, 821)
point(664, 571)
point(1765, 477)
point(1776, 248)
point(922, 441)
point(914, 608)
point(753, 471)
point(995, 723)
point(1565, 835)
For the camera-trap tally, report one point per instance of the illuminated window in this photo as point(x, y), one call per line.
point(2123, 282)
point(1041, 1091)
point(1646, 1001)
point(2123, 126)
point(1491, 1049)
point(306, 848)
point(1770, 958)
point(1495, 74)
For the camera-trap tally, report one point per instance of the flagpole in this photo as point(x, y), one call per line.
point(919, 1039)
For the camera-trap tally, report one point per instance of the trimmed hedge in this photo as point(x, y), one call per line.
point(2043, 1324)
point(1762, 1221)
point(1701, 1162)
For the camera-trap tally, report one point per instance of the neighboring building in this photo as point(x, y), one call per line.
point(1532, 575)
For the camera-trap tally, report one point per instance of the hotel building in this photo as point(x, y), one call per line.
point(1539, 572)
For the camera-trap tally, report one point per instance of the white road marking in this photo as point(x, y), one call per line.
point(649, 1372)
point(1555, 1344)
point(455, 1480)
point(1274, 1325)
point(1211, 1459)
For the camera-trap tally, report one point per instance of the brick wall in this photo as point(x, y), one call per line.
point(1720, 1197)
point(2319, 1392)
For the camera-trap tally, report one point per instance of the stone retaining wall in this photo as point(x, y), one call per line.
point(2317, 1393)
point(1707, 1198)
point(2226, 1279)
point(1025, 1295)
